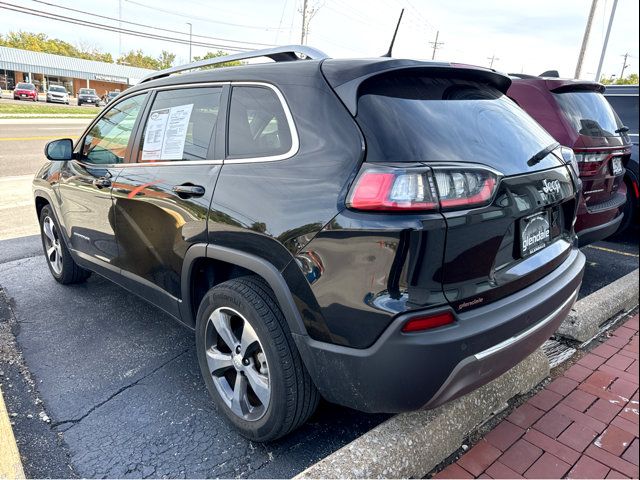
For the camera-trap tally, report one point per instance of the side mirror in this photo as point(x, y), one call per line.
point(59, 150)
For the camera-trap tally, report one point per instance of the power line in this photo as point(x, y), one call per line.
point(173, 12)
point(43, 2)
point(76, 21)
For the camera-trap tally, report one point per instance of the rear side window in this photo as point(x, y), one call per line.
point(410, 117)
point(626, 106)
point(181, 125)
point(589, 113)
point(258, 125)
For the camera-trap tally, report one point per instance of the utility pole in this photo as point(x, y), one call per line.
point(190, 39)
point(120, 27)
point(492, 59)
point(436, 45)
point(606, 40)
point(624, 65)
point(585, 38)
point(307, 14)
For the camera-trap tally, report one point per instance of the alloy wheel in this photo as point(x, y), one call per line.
point(237, 364)
point(53, 248)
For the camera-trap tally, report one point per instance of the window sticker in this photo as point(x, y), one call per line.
point(166, 133)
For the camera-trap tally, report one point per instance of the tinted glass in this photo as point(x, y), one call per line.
point(407, 117)
point(258, 126)
point(107, 141)
point(87, 91)
point(589, 113)
point(181, 125)
point(25, 86)
point(626, 106)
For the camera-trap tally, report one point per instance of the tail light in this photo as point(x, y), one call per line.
point(591, 162)
point(419, 324)
point(385, 188)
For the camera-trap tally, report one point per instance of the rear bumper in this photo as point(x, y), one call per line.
point(403, 372)
point(599, 232)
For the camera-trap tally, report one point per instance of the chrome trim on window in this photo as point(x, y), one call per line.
point(295, 142)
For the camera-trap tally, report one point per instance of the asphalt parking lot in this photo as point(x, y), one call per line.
point(101, 384)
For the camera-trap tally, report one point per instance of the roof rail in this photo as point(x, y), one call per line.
point(278, 54)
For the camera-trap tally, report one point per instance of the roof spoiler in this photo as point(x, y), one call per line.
point(277, 54)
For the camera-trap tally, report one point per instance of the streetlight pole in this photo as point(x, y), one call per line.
point(606, 40)
point(190, 39)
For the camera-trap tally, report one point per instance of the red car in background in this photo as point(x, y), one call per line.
point(25, 91)
point(577, 115)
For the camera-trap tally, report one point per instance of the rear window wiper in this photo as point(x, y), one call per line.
point(542, 153)
point(622, 129)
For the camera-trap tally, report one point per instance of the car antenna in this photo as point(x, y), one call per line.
point(388, 54)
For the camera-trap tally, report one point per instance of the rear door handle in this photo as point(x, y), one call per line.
point(102, 182)
point(188, 190)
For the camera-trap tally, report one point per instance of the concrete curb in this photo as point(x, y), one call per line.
point(10, 463)
point(410, 445)
point(588, 314)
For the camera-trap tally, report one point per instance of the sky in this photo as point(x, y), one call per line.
point(520, 36)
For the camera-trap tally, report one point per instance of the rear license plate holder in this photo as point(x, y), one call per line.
point(616, 166)
point(535, 233)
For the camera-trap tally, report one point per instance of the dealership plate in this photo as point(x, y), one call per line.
point(535, 233)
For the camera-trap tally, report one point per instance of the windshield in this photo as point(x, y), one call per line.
point(589, 113)
point(87, 91)
point(25, 86)
point(112, 94)
point(408, 118)
point(55, 88)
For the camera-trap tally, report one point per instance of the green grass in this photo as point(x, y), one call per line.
point(39, 108)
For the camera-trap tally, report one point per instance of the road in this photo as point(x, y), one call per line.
point(22, 141)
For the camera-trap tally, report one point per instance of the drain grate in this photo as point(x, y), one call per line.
point(557, 352)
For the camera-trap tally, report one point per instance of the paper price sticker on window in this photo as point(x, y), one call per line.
point(166, 133)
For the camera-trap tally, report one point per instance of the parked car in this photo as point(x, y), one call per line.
point(578, 116)
point(388, 234)
point(624, 100)
point(89, 96)
point(57, 94)
point(111, 95)
point(25, 91)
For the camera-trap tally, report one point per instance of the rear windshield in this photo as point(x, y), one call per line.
point(87, 91)
point(626, 106)
point(411, 117)
point(589, 113)
point(25, 86)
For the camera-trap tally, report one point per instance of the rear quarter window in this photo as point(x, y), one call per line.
point(258, 125)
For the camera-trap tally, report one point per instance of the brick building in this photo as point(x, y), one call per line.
point(44, 69)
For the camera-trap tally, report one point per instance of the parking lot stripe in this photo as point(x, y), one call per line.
point(10, 464)
point(611, 250)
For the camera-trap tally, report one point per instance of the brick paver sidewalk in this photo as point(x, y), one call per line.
point(584, 424)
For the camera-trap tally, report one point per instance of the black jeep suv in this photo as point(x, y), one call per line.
point(387, 234)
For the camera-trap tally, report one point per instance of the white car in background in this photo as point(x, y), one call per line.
point(57, 93)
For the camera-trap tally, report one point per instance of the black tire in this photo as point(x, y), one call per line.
point(630, 209)
point(293, 396)
point(69, 271)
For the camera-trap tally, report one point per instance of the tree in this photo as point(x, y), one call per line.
point(217, 54)
point(166, 59)
point(137, 58)
point(631, 79)
point(39, 42)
